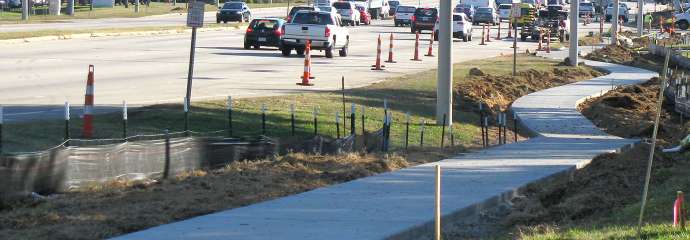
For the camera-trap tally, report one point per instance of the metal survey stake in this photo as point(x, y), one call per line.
point(352, 119)
point(186, 116)
point(229, 105)
point(124, 120)
point(195, 19)
point(337, 124)
point(292, 119)
point(263, 119)
point(67, 118)
point(316, 122)
point(407, 129)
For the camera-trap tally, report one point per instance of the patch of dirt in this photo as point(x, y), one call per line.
point(122, 207)
point(621, 55)
point(498, 92)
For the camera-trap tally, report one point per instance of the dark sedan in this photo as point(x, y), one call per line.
point(234, 11)
point(264, 32)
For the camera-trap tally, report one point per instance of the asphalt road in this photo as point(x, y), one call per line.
point(38, 77)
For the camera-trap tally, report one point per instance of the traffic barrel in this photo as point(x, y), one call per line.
point(390, 50)
point(483, 33)
point(307, 66)
point(378, 65)
point(416, 48)
point(488, 33)
point(87, 129)
point(429, 52)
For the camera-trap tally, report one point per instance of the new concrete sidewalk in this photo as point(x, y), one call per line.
point(383, 205)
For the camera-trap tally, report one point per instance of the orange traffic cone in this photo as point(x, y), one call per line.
point(483, 37)
point(429, 52)
point(488, 33)
point(541, 39)
point(378, 65)
point(416, 48)
point(548, 41)
point(87, 130)
point(390, 51)
point(498, 35)
point(307, 66)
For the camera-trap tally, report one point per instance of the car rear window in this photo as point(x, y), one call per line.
point(393, 3)
point(234, 5)
point(313, 18)
point(406, 9)
point(360, 8)
point(484, 10)
point(341, 5)
point(457, 18)
point(426, 12)
point(295, 9)
point(263, 24)
point(505, 6)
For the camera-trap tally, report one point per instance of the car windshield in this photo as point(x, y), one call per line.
point(587, 5)
point(263, 24)
point(426, 12)
point(325, 9)
point(406, 9)
point(341, 5)
point(505, 6)
point(393, 3)
point(313, 18)
point(484, 10)
point(232, 6)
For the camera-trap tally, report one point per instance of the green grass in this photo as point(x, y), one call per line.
point(414, 93)
point(622, 223)
point(60, 33)
point(83, 12)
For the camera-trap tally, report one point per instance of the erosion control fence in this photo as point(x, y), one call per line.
point(676, 90)
point(79, 164)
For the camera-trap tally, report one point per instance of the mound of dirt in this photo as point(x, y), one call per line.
point(497, 92)
point(621, 55)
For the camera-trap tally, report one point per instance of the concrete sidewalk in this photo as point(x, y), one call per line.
point(380, 206)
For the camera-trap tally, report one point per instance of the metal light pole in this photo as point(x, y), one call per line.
point(614, 22)
point(70, 7)
point(25, 10)
point(574, 20)
point(640, 18)
point(444, 94)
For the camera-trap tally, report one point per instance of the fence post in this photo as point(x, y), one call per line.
point(67, 118)
point(486, 131)
point(166, 167)
point(352, 119)
point(389, 121)
point(407, 129)
point(515, 126)
point(384, 130)
point(498, 124)
point(337, 124)
point(316, 122)
point(481, 123)
point(292, 119)
point(364, 130)
point(443, 130)
point(186, 117)
point(452, 137)
point(263, 119)
point(1, 123)
point(229, 106)
point(421, 137)
point(124, 120)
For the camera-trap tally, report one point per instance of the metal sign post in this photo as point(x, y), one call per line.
point(195, 19)
point(515, 14)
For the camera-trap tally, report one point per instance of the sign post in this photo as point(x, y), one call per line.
point(195, 19)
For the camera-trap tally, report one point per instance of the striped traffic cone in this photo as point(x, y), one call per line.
point(390, 51)
point(378, 65)
point(87, 130)
point(488, 33)
point(498, 35)
point(429, 52)
point(541, 39)
point(307, 66)
point(416, 48)
point(548, 41)
point(483, 33)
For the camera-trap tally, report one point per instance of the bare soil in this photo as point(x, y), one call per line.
point(498, 92)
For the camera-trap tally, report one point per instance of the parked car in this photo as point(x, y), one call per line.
point(365, 17)
point(264, 32)
point(295, 9)
point(323, 29)
point(392, 4)
point(403, 15)
point(622, 11)
point(462, 27)
point(348, 12)
point(330, 9)
point(586, 9)
point(234, 11)
point(485, 15)
point(504, 11)
point(468, 9)
point(423, 19)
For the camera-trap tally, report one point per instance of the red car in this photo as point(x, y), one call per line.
point(365, 16)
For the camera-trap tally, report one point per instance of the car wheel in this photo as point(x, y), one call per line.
point(470, 37)
point(435, 36)
point(300, 51)
point(218, 20)
point(523, 38)
point(357, 23)
point(683, 24)
point(286, 51)
point(225, 21)
point(343, 52)
point(247, 45)
point(397, 25)
point(412, 30)
point(257, 46)
point(464, 38)
point(329, 52)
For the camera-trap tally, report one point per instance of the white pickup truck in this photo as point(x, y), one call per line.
point(323, 29)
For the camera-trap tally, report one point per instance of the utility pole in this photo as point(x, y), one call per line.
point(640, 18)
point(444, 86)
point(574, 20)
point(25, 10)
point(614, 22)
point(70, 7)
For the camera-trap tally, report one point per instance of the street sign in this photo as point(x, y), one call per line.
point(195, 15)
point(515, 11)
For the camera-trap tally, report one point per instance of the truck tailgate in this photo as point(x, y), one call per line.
point(305, 31)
